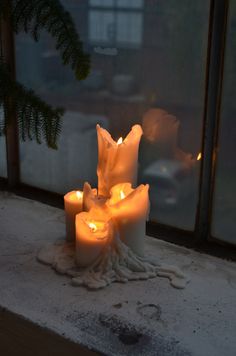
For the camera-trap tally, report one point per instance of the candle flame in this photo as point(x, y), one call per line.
point(122, 194)
point(199, 156)
point(92, 226)
point(79, 194)
point(119, 142)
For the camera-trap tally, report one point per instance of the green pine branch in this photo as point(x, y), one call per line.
point(34, 15)
point(36, 119)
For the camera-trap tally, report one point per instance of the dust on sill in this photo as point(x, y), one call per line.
point(138, 318)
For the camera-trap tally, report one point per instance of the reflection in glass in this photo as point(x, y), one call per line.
point(111, 25)
point(224, 203)
point(148, 67)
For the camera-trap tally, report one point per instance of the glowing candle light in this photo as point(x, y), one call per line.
point(119, 142)
point(117, 161)
point(92, 226)
point(94, 230)
point(73, 202)
point(199, 156)
point(79, 194)
point(130, 208)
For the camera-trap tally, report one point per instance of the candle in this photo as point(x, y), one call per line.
point(73, 202)
point(94, 229)
point(91, 198)
point(117, 160)
point(130, 208)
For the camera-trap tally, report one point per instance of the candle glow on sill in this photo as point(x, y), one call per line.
point(119, 142)
point(199, 156)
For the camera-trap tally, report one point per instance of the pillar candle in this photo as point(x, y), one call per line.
point(130, 209)
point(117, 161)
point(91, 198)
point(94, 230)
point(73, 203)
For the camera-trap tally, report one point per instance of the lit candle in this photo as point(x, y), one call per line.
point(117, 160)
point(91, 198)
point(94, 230)
point(73, 203)
point(130, 208)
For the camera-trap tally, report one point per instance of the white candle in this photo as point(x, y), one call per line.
point(73, 203)
point(117, 161)
point(94, 230)
point(91, 198)
point(130, 208)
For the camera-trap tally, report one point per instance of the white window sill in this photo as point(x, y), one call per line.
point(138, 318)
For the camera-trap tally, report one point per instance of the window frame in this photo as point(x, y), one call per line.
point(201, 238)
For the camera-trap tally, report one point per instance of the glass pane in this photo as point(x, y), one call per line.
point(69, 166)
point(151, 72)
point(101, 26)
point(102, 3)
point(130, 4)
point(3, 158)
point(224, 204)
point(129, 28)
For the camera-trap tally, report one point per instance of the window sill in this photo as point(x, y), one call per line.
point(40, 310)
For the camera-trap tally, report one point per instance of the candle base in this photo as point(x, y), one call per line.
point(116, 263)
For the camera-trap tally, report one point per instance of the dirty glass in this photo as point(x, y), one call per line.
point(148, 67)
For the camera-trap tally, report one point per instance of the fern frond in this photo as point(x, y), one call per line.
point(35, 117)
point(34, 15)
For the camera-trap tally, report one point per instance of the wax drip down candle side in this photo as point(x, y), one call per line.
point(130, 210)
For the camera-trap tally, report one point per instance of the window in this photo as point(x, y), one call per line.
point(116, 23)
point(160, 86)
point(152, 65)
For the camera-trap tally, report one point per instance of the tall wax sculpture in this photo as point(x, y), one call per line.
point(117, 161)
